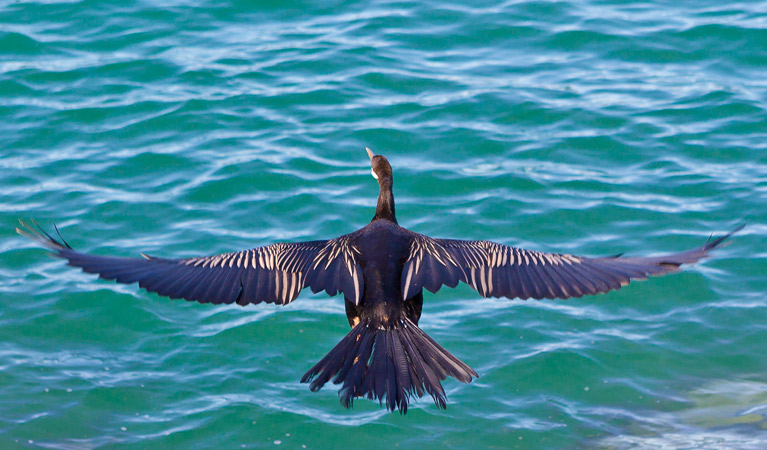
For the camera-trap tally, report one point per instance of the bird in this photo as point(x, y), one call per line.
point(382, 270)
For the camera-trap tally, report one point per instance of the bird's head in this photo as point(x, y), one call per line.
point(379, 166)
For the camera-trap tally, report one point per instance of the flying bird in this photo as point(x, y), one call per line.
point(382, 270)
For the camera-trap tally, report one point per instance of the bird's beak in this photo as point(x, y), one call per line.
point(370, 153)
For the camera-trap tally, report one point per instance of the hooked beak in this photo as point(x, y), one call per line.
point(370, 153)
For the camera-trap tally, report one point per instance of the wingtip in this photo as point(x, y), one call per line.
point(38, 234)
point(712, 244)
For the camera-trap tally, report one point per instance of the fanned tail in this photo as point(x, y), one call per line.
point(394, 363)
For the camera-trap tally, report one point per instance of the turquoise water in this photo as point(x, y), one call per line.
point(183, 129)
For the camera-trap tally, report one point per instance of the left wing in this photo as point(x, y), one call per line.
point(272, 274)
point(496, 270)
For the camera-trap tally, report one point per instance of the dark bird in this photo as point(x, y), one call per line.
point(382, 270)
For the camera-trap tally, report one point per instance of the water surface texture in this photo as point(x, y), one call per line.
point(190, 128)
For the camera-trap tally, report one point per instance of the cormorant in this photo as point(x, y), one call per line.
point(381, 269)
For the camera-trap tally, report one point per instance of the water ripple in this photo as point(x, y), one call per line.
point(594, 128)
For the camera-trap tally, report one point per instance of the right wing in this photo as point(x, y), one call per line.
point(273, 274)
point(496, 270)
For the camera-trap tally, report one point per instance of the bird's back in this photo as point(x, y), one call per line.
point(384, 247)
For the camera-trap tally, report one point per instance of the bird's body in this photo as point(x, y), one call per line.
point(383, 248)
point(381, 269)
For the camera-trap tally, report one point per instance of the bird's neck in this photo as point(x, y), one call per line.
point(385, 207)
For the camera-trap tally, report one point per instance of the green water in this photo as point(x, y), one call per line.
point(190, 128)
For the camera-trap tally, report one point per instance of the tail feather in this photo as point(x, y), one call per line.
point(401, 365)
point(375, 378)
point(331, 359)
point(416, 380)
point(393, 364)
point(352, 383)
point(450, 364)
point(427, 377)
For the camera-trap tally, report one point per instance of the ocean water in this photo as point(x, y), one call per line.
point(190, 128)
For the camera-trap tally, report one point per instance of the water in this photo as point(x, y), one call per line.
point(180, 130)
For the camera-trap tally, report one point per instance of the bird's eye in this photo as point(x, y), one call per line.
point(374, 173)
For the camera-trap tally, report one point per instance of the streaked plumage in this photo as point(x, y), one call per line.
point(381, 269)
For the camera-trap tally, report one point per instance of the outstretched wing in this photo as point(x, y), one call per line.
point(273, 274)
point(496, 270)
